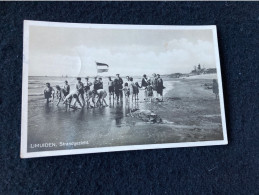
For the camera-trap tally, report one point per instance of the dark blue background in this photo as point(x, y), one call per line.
point(231, 169)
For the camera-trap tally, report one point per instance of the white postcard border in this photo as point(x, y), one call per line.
point(24, 122)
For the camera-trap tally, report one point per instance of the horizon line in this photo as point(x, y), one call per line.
point(66, 76)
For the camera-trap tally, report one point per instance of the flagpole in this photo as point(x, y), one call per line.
point(96, 68)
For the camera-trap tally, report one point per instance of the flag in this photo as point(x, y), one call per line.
point(101, 67)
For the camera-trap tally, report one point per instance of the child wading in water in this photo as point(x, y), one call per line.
point(88, 92)
point(80, 90)
point(149, 91)
point(215, 88)
point(101, 93)
point(66, 89)
point(137, 90)
point(58, 94)
point(134, 90)
point(111, 88)
point(49, 93)
point(72, 95)
point(126, 90)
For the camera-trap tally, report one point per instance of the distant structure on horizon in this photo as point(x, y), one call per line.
point(198, 70)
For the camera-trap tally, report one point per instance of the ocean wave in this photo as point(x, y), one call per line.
point(43, 82)
point(33, 82)
point(35, 87)
point(36, 94)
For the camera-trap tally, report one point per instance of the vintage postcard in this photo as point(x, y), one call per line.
point(91, 88)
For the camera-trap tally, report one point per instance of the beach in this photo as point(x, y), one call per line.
point(189, 112)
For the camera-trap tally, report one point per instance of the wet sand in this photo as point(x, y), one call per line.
point(190, 114)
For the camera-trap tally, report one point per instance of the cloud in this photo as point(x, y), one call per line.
point(41, 64)
point(177, 55)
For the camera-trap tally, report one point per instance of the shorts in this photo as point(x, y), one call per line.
point(111, 89)
point(65, 92)
point(102, 94)
point(150, 93)
point(75, 96)
point(127, 93)
point(87, 88)
point(47, 95)
point(88, 94)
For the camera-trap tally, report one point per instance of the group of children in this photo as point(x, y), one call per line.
point(49, 92)
point(83, 94)
point(131, 88)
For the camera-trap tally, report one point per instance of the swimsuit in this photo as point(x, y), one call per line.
point(48, 92)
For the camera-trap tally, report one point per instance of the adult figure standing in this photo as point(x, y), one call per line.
point(98, 83)
point(118, 85)
point(144, 83)
point(101, 93)
point(160, 87)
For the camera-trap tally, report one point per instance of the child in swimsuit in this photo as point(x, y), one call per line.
point(100, 86)
point(80, 90)
point(101, 93)
point(58, 94)
point(126, 90)
point(49, 93)
point(66, 89)
point(88, 92)
point(149, 91)
point(137, 90)
point(70, 96)
point(111, 88)
point(88, 84)
point(131, 87)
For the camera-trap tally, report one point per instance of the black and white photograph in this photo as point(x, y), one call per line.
point(90, 88)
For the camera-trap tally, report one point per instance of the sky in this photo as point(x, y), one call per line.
point(57, 51)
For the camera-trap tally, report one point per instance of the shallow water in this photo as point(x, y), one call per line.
point(190, 113)
point(107, 126)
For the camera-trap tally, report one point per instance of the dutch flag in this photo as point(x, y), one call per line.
point(101, 67)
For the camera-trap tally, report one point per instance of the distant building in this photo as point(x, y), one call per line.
point(197, 70)
point(210, 71)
